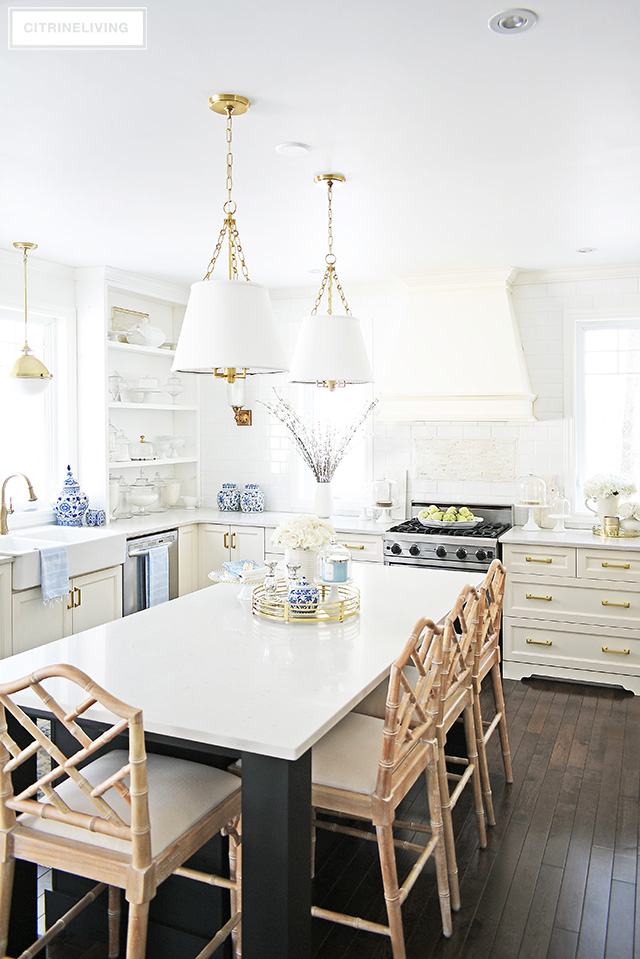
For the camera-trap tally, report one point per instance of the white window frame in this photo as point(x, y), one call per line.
point(62, 411)
point(572, 385)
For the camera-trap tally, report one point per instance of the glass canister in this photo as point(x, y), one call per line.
point(252, 499)
point(172, 490)
point(228, 498)
point(114, 495)
point(123, 509)
point(160, 487)
point(143, 495)
point(121, 451)
point(335, 563)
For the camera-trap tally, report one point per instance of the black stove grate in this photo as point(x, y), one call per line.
point(484, 530)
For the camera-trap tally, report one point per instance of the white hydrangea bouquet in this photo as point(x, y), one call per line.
point(606, 484)
point(629, 511)
point(303, 531)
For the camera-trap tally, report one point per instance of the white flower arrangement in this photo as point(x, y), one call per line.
point(629, 511)
point(605, 484)
point(303, 531)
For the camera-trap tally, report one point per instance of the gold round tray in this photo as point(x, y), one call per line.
point(336, 603)
point(619, 534)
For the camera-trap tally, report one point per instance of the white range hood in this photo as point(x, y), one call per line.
point(458, 354)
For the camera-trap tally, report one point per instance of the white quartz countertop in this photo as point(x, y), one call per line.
point(171, 518)
point(204, 668)
point(571, 537)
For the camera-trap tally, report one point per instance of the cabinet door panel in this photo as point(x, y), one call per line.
point(188, 568)
point(213, 550)
point(247, 542)
point(98, 598)
point(540, 560)
point(34, 622)
point(620, 565)
point(363, 548)
point(5, 610)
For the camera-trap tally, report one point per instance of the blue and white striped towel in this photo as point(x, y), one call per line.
point(157, 563)
point(54, 572)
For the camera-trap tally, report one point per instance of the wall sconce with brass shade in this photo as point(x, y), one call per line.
point(28, 374)
point(229, 329)
point(330, 350)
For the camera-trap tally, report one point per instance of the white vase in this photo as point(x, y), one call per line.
point(323, 504)
point(306, 559)
point(606, 506)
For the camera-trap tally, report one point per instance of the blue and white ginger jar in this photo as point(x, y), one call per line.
point(252, 499)
point(303, 596)
point(71, 504)
point(229, 498)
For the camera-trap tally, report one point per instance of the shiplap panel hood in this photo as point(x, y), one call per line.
point(458, 354)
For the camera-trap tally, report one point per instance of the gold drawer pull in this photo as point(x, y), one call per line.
point(616, 565)
point(538, 559)
point(623, 652)
point(353, 546)
point(539, 642)
point(547, 599)
point(605, 602)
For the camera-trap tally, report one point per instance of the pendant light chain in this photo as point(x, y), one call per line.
point(24, 262)
point(330, 277)
point(229, 228)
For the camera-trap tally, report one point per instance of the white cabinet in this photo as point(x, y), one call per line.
point(5, 610)
point(218, 544)
point(99, 290)
point(364, 547)
point(94, 598)
point(572, 613)
point(188, 561)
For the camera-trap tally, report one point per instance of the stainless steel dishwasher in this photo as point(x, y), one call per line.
point(135, 568)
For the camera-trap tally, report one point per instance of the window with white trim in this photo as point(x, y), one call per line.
point(607, 399)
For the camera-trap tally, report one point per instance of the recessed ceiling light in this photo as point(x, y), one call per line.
point(292, 149)
point(513, 21)
point(586, 249)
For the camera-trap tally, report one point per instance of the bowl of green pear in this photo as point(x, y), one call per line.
point(458, 517)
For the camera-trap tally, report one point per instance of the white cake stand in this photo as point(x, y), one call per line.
point(531, 526)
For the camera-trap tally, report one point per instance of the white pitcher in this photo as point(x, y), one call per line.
point(605, 506)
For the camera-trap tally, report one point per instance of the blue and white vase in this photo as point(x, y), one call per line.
point(252, 499)
point(302, 596)
point(71, 504)
point(229, 498)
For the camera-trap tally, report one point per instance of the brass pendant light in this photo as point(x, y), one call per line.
point(229, 329)
point(28, 373)
point(330, 350)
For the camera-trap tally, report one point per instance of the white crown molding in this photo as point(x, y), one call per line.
point(145, 285)
point(615, 271)
point(461, 279)
point(37, 265)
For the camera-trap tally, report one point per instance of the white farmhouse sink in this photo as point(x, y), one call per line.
point(87, 549)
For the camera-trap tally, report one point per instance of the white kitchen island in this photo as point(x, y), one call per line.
point(206, 670)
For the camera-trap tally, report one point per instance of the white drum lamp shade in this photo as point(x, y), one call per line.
point(229, 324)
point(330, 348)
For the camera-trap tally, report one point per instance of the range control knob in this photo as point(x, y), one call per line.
point(461, 552)
point(481, 555)
point(441, 551)
point(414, 550)
point(396, 548)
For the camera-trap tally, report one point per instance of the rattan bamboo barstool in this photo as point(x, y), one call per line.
point(123, 819)
point(365, 766)
point(486, 662)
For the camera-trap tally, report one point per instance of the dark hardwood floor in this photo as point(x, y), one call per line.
point(558, 876)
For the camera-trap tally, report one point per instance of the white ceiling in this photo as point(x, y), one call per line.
point(463, 149)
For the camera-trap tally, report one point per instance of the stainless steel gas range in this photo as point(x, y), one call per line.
point(412, 544)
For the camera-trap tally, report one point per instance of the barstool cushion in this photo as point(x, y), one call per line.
point(347, 757)
point(180, 794)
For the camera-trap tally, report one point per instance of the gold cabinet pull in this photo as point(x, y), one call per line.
point(538, 559)
point(606, 565)
point(353, 546)
point(605, 602)
point(547, 599)
point(226, 541)
point(623, 652)
point(539, 642)
point(70, 603)
point(233, 541)
point(77, 602)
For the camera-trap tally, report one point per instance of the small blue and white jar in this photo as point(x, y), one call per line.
point(71, 504)
point(252, 499)
point(229, 498)
point(303, 596)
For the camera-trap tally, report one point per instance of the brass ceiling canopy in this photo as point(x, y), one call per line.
point(329, 177)
point(223, 102)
